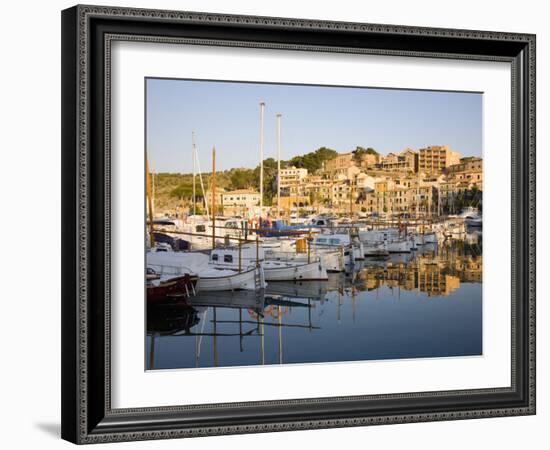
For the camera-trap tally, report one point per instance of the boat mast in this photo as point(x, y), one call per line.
point(202, 186)
point(417, 194)
point(278, 164)
point(213, 187)
point(194, 173)
point(153, 191)
point(149, 201)
point(351, 197)
point(262, 109)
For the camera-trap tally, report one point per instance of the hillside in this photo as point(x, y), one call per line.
point(173, 191)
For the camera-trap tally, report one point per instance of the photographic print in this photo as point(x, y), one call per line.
point(297, 224)
point(299, 199)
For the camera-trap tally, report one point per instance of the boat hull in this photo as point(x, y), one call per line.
point(246, 280)
point(171, 290)
point(374, 250)
point(281, 271)
point(398, 246)
point(306, 289)
point(332, 261)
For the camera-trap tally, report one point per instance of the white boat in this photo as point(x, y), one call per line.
point(274, 270)
point(380, 235)
point(211, 278)
point(306, 289)
point(234, 258)
point(375, 249)
point(294, 271)
point(398, 245)
point(331, 260)
point(392, 239)
point(161, 247)
point(339, 241)
point(231, 280)
point(421, 239)
point(196, 231)
point(471, 217)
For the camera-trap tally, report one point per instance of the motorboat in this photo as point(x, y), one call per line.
point(171, 289)
point(274, 270)
point(420, 239)
point(294, 271)
point(305, 289)
point(393, 240)
point(210, 278)
point(352, 250)
point(231, 280)
point(332, 259)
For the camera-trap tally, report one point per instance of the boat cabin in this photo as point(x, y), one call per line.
point(335, 240)
point(229, 256)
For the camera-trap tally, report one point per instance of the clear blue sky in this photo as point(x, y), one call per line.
point(227, 115)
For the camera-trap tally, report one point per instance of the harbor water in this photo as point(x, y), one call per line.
point(423, 304)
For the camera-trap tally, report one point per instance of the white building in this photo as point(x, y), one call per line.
point(241, 198)
point(292, 176)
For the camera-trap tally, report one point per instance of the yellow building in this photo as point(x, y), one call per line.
point(292, 202)
point(436, 158)
point(340, 163)
point(369, 160)
point(241, 198)
point(292, 176)
point(401, 195)
point(469, 170)
point(405, 161)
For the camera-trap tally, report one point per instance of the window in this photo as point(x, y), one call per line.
point(215, 257)
point(200, 229)
point(228, 258)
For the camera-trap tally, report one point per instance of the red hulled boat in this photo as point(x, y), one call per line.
point(170, 290)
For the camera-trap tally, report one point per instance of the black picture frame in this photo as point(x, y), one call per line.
point(87, 415)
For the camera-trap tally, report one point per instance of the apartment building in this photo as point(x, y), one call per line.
point(339, 164)
point(405, 161)
point(241, 198)
point(292, 176)
point(436, 158)
point(468, 171)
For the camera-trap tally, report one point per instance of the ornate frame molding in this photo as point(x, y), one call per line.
point(77, 426)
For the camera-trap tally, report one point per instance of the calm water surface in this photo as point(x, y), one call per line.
point(426, 304)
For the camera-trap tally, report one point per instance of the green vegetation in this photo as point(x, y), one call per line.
point(313, 161)
point(360, 152)
point(241, 178)
point(174, 190)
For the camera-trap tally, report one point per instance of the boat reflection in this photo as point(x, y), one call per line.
point(309, 321)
